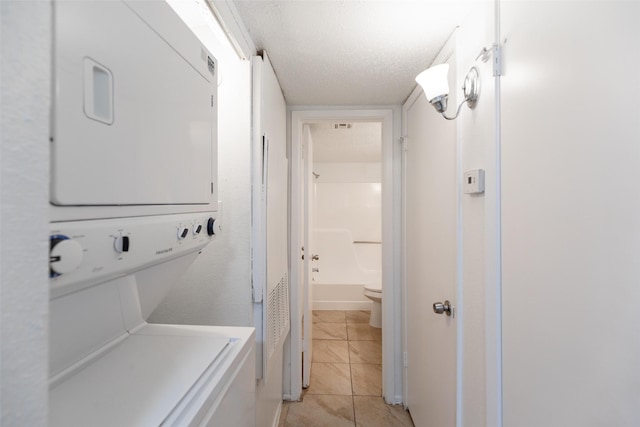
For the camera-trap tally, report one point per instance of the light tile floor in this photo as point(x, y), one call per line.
point(346, 377)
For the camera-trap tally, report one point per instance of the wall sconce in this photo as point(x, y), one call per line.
point(435, 85)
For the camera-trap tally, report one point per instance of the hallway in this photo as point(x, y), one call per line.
point(346, 377)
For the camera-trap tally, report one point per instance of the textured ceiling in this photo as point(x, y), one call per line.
point(349, 52)
point(360, 144)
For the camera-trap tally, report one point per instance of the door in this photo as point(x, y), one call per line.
point(431, 263)
point(307, 259)
point(270, 166)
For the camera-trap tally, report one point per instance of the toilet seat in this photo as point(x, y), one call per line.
point(373, 287)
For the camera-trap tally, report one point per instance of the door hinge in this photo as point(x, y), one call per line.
point(403, 143)
point(212, 188)
point(497, 59)
point(212, 100)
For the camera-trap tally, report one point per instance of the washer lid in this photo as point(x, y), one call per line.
point(139, 382)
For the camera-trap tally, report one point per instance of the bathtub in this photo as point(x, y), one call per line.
point(346, 296)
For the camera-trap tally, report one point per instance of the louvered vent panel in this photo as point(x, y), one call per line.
point(277, 315)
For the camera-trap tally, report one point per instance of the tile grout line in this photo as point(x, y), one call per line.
point(353, 400)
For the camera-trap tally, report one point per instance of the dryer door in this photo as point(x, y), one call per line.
point(134, 108)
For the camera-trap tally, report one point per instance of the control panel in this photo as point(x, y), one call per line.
point(84, 253)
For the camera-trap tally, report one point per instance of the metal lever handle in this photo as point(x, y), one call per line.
point(315, 257)
point(315, 270)
point(440, 308)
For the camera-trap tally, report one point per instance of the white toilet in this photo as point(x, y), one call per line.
point(373, 291)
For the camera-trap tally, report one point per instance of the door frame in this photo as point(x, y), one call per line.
point(391, 272)
point(307, 224)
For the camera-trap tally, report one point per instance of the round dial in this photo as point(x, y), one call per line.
point(65, 255)
point(121, 244)
point(211, 226)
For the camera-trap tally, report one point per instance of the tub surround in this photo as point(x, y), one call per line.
point(339, 284)
point(346, 234)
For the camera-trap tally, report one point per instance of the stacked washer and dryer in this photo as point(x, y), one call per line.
point(134, 201)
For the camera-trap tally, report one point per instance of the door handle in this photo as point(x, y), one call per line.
point(315, 257)
point(315, 270)
point(439, 308)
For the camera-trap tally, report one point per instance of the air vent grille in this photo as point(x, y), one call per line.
point(342, 126)
point(277, 315)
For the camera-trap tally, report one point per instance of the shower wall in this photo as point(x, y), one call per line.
point(346, 234)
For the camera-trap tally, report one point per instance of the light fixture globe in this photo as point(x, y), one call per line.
point(434, 81)
point(435, 85)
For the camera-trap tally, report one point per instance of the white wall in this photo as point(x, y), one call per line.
point(571, 213)
point(24, 207)
point(477, 145)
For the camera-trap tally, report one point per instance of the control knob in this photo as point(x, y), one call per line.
point(121, 244)
point(65, 255)
point(211, 226)
point(182, 232)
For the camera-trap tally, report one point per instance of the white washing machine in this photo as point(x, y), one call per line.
point(134, 201)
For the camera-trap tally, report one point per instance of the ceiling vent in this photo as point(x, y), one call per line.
point(342, 126)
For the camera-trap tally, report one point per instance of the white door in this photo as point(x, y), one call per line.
point(571, 214)
point(307, 211)
point(431, 229)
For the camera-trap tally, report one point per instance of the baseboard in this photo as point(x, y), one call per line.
point(342, 305)
point(397, 400)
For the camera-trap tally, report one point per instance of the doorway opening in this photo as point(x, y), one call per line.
point(345, 218)
point(343, 223)
point(351, 246)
